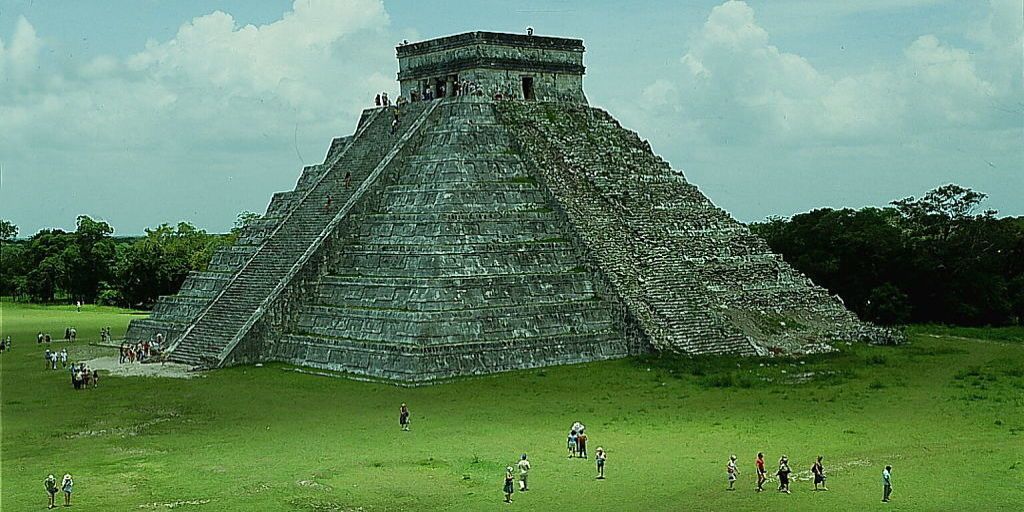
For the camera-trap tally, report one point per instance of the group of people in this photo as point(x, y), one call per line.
point(784, 471)
point(52, 357)
point(67, 484)
point(141, 351)
point(5, 344)
point(817, 469)
point(105, 335)
point(43, 338)
point(459, 88)
point(524, 471)
point(576, 444)
point(82, 376)
point(70, 334)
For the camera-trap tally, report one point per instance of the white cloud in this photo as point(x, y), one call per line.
point(731, 66)
point(747, 116)
point(18, 59)
point(219, 105)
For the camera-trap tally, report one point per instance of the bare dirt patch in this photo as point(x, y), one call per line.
point(111, 366)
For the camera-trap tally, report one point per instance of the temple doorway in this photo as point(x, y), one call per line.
point(527, 87)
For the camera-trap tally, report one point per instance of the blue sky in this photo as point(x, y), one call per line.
point(143, 112)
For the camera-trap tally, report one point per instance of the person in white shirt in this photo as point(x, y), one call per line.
point(886, 483)
point(524, 470)
point(733, 472)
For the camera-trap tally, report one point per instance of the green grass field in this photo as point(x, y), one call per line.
point(946, 410)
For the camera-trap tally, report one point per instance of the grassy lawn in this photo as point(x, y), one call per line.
point(946, 410)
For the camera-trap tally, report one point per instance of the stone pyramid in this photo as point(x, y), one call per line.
point(500, 223)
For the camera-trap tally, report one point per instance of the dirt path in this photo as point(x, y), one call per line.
point(110, 366)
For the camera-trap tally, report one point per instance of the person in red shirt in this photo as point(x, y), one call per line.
point(581, 445)
point(761, 474)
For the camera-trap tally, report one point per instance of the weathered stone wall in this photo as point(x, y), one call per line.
point(455, 267)
point(497, 63)
point(490, 236)
point(696, 280)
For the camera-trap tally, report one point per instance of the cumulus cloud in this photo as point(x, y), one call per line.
point(731, 65)
point(219, 106)
point(19, 57)
point(736, 98)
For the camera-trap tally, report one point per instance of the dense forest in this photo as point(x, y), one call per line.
point(91, 265)
point(936, 258)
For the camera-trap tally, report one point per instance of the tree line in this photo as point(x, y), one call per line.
point(936, 258)
point(91, 265)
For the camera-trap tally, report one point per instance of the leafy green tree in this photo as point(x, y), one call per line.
point(8, 231)
point(43, 263)
point(887, 305)
point(158, 263)
point(933, 259)
point(89, 259)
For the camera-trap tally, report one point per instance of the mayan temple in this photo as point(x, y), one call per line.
point(500, 223)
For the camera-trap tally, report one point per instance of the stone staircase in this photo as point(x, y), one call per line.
point(243, 299)
point(460, 268)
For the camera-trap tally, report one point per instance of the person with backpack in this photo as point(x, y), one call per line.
point(818, 470)
point(51, 489)
point(783, 474)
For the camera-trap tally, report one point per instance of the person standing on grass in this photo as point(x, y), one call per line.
point(46, 356)
point(74, 334)
point(63, 358)
point(732, 471)
point(67, 334)
point(886, 483)
point(53, 359)
point(524, 470)
point(581, 444)
point(818, 470)
point(403, 417)
point(783, 474)
point(67, 484)
point(509, 486)
point(39, 337)
point(762, 475)
point(95, 378)
point(51, 490)
point(601, 457)
point(573, 443)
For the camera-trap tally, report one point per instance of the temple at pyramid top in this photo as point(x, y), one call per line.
point(493, 64)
